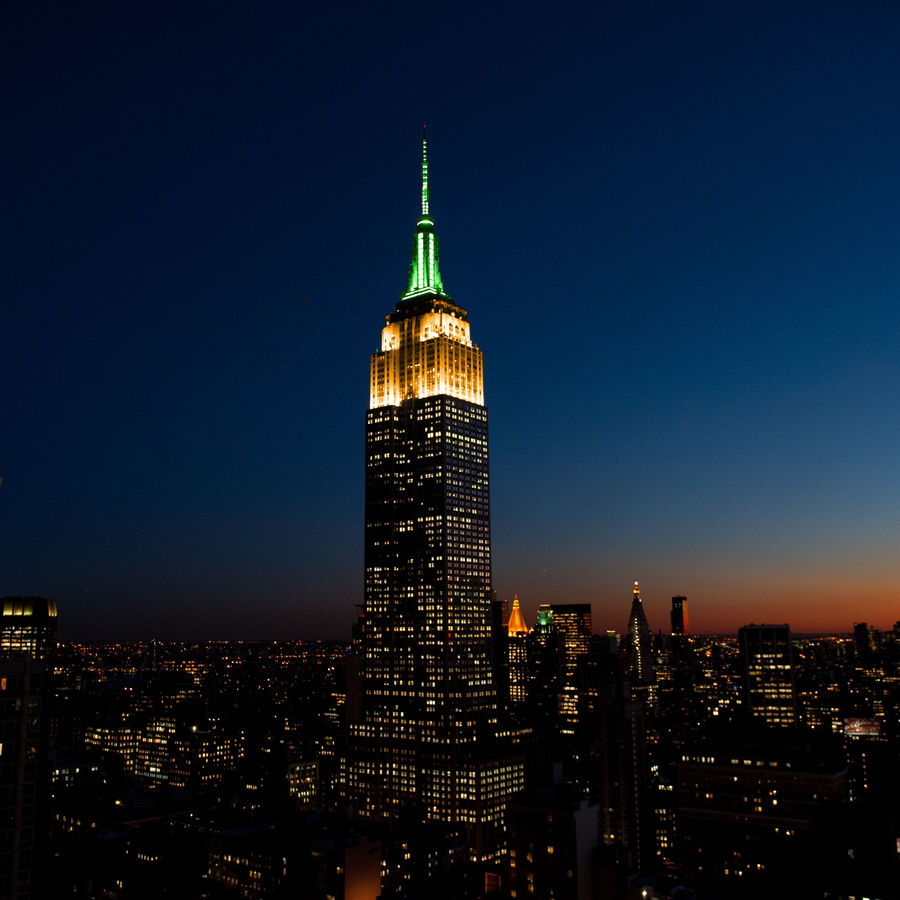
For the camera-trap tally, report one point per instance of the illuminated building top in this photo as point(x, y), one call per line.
point(424, 274)
point(426, 344)
point(516, 621)
point(27, 625)
point(28, 606)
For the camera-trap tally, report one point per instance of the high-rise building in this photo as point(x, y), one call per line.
point(424, 739)
point(680, 616)
point(517, 655)
point(612, 752)
point(574, 626)
point(863, 642)
point(545, 666)
point(639, 639)
point(767, 662)
point(27, 648)
point(543, 623)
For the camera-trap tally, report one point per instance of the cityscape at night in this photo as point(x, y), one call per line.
point(585, 587)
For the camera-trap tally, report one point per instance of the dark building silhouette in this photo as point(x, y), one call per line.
point(424, 744)
point(552, 842)
point(544, 675)
point(613, 762)
point(680, 616)
point(27, 647)
point(749, 806)
point(500, 649)
point(863, 641)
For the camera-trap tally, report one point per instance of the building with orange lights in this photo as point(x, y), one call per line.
point(517, 655)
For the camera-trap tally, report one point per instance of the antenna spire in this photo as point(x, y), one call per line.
point(424, 275)
point(424, 173)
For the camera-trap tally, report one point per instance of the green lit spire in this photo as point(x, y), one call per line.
point(424, 173)
point(424, 275)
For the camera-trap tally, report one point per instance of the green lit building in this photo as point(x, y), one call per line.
point(423, 738)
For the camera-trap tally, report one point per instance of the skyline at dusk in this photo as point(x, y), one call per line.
point(675, 233)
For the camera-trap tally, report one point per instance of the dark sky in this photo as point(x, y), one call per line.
point(675, 226)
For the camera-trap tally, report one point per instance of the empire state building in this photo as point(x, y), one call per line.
point(423, 739)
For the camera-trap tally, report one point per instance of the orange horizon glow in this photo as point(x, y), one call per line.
point(806, 606)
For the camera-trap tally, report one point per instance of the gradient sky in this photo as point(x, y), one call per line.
point(675, 226)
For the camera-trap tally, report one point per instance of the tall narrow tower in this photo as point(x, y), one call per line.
point(424, 740)
point(680, 616)
point(639, 638)
point(574, 626)
point(517, 655)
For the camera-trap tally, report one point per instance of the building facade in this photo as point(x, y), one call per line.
point(749, 806)
point(574, 626)
point(517, 655)
point(27, 648)
point(767, 664)
point(423, 739)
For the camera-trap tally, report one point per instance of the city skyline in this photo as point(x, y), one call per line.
point(677, 231)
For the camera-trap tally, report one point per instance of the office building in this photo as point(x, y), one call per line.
point(27, 647)
point(424, 742)
point(767, 669)
point(680, 616)
point(574, 628)
point(749, 802)
point(543, 623)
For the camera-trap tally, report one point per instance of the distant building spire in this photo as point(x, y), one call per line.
point(516, 621)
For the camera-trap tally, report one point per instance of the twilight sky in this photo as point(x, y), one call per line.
point(675, 226)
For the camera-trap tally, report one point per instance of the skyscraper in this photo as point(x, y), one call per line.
point(424, 740)
point(767, 659)
point(680, 616)
point(27, 648)
point(574, 627)
point(639, 639)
